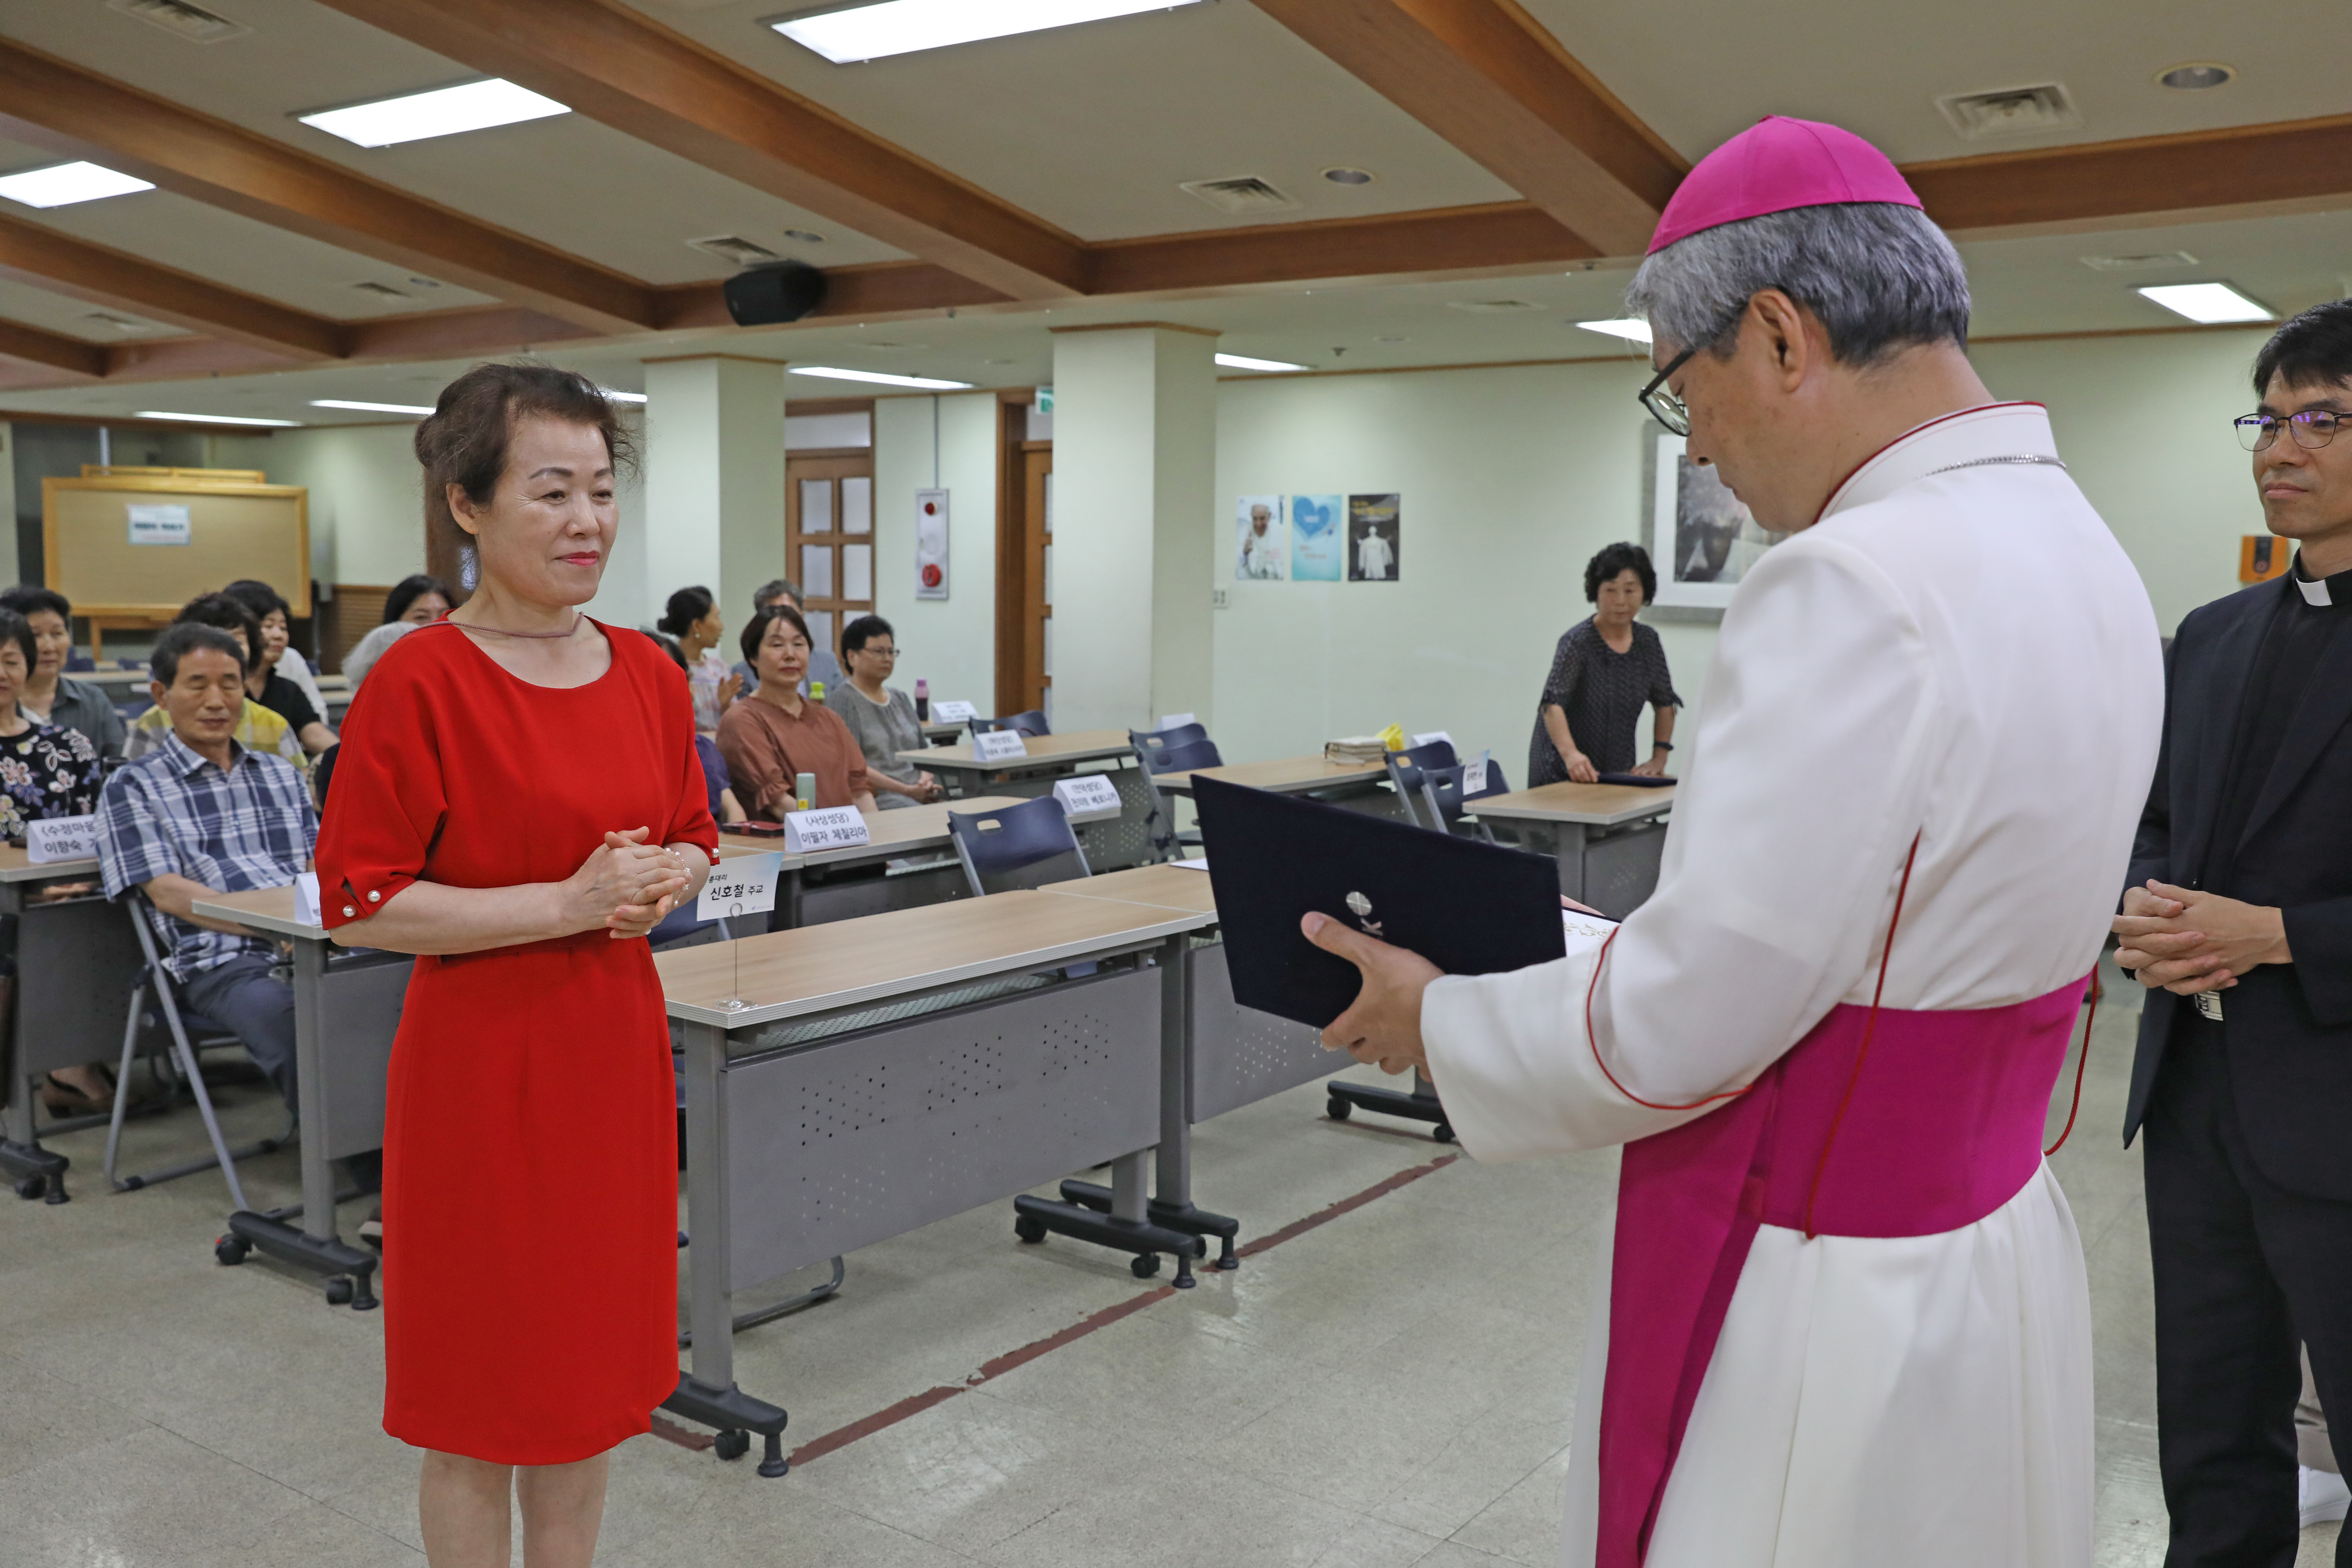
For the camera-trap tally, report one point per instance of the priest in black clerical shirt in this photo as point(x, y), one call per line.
point(2238, 916)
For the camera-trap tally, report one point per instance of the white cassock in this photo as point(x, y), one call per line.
point(1958, 650)
point(1373, 557)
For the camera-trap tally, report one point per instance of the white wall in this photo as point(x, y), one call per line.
point(920, 443)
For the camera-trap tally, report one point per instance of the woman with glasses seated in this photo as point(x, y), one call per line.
point(1606, 668)
point(881, 717)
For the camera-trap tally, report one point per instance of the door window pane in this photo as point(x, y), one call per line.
point(1049, 647)
point(1047, 553)
point(821, 629)
point(857, 571)
point(816, 571)
point(857, 507)
point(816, 507)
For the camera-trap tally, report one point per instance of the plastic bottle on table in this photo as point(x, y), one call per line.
point(922, 700)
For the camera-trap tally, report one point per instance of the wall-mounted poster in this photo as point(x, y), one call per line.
point(1372, 538)
point(1261, 540)
point(1318, 538)
point(930, 544)
point(1703, 540)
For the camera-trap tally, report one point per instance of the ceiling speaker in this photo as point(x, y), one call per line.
point(774, 291)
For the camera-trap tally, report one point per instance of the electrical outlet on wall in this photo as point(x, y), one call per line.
point(1221, 598)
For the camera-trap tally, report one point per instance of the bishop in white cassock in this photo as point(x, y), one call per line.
point(1845, 1320)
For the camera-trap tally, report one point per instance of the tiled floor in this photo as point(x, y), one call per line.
point(1393, 1387)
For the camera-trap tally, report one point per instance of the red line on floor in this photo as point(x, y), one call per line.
point(915, 1405)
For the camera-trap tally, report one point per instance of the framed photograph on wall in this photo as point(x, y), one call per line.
point(1703, 540)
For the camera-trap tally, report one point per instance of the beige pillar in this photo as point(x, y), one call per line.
point(714, 479)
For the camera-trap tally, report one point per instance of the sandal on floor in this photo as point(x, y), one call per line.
point(64, 1100)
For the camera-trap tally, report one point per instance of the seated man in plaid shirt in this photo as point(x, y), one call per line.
point(201, 814)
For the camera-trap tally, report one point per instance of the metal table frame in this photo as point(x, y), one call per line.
point(75, 961)
point(1608, 856)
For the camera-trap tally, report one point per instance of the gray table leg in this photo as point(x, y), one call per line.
point(794, 888)
point(35, 1171)
point(710, 1303)
point(311, 1092)
point(1568, 848)
point(1173, 1186)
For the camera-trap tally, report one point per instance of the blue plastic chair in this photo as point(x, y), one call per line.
point(1406, 769)
point(1025, 845)
point(1032, 724)
point(1174, 751)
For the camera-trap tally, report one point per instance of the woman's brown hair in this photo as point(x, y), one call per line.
point(756, 632)
point(465, 441)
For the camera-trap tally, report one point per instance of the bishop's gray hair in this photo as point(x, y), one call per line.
point(1880, 276)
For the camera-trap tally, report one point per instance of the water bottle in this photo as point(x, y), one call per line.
point(805, 790)
point(922, 700)
point(817, 691)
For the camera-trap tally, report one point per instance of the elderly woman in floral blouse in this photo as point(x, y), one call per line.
point(44, 772)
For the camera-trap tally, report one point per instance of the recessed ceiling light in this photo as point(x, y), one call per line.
point(1632, 329)
point(213, 418)
point(62, 184)
point(804, 235)
point(2146, 261)
point(846, 34)
point(924, 382)
point(120, 323)
point(369, 407)
point(2208, 304)
point(617, 395)
point(1344, 176)
point(1243, 361)
point(2196, 76)
point(733, 249)
point(443, 112)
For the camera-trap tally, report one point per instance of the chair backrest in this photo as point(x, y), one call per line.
point(1023, 846)
point(1441, 793)
point(1183, 757)
point(1405, 770)
point(1495, 783)
point(1168, 739)
point(1031, 723)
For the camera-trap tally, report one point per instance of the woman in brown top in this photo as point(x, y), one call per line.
point(775, 734)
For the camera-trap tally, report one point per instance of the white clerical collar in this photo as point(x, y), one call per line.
point(1997, 433)
point(2312, 593)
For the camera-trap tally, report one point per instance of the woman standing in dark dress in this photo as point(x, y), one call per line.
point(1606, 668)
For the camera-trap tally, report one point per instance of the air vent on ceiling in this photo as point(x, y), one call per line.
point(734, 249)
point(1492, 307)
point(1246, 194)
point(894, 348)
point(193, 23)
point(2011, 112)
point(381, 290)
point(2147, 263)
point(120, 323)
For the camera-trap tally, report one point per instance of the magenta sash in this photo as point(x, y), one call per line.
point(1940, 1128)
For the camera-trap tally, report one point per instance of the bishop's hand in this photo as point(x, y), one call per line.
point(1383, 1028)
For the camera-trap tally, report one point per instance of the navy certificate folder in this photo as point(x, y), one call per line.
point(1467, 907)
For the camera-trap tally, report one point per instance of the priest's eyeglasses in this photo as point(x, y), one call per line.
point(1670, 411)
point(2314, 428)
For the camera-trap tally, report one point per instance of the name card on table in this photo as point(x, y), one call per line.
point(1089, 797)
point(1175, 721)
point(827, 827)
point(1473, 776)
point(999, 745)
point(951, 712)
point(306, 898)
point(61, 839)
point(1433, 736)
point(742, 885)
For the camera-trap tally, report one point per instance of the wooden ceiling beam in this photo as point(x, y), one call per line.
point(1398, 247)
point(52, 351)
point(63, 265)
point(628, 71)
point(1495, 83)
point(56, 104)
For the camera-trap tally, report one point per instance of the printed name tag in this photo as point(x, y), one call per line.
point(952, 712)
point(1089, 797)
point(1435, 735)
point(828, 827)
point(996, 745)
point(61, 839)
point(306, 898)
point(742, 884)
point(1473, 776)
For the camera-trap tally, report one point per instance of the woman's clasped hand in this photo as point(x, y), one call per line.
point(626, 885)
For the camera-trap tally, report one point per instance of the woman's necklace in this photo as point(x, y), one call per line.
point(501, 631)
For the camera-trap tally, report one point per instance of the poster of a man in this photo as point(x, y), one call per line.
point(1705, 540)
point(1259, 536)
point(1374, 529)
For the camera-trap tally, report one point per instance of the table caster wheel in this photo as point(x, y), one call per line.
point(732, 1444)
point(1442, 1132)
point(1145, 1266)
point(32, 1187)
point(230, 1250)
point(1337, 1110)
point(1030, 1230)
point(339, 1293)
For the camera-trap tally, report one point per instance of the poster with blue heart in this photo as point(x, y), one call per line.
point(1319, 539)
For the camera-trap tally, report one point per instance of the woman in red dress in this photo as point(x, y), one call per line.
point(518, 801)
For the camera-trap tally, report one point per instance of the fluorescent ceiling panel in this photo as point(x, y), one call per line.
point(1631, 329)
point(369, 407)
point(1243, 362)
point(848, 34)
point(2207, 302)
point(444, 111)
point(923, 383)
point(63, 184)
point(213, 418)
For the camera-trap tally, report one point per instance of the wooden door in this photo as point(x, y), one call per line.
point(1024, 564)
point(829, 539)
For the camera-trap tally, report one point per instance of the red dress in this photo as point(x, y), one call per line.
point(530, 1158)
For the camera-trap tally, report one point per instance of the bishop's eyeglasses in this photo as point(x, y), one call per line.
point(2314, 428)
point(1669, 410)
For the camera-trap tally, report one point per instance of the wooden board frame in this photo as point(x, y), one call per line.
point(134, 612)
